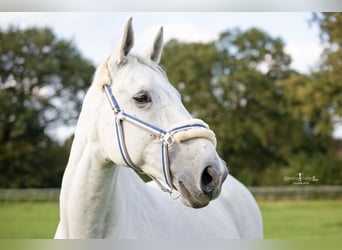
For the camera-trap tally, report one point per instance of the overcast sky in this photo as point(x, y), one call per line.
point(95, 34)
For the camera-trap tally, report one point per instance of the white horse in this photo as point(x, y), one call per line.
point(103, 198)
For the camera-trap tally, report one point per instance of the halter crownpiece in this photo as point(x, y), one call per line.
point(191, 129)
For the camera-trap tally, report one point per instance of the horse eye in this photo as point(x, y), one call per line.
point(142, 97)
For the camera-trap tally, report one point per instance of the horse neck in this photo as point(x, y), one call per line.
point(90, 185)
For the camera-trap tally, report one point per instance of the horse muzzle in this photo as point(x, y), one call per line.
point(197, 190)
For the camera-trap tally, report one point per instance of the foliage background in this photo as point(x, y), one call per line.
point(271, 121)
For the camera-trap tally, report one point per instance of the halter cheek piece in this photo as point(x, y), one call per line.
point(194, 128)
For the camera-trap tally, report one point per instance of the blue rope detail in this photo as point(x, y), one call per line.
point(114, 102)
point(148, 125)
point(120, 144)
point(186, 127)
point(164, 167)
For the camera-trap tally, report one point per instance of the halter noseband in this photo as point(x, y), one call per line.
point(194, 128)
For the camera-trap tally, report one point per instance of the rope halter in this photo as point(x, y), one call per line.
point(193, 128)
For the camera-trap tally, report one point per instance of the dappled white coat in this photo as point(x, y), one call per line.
point(101, 199)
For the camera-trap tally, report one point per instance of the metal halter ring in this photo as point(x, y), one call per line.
point(168, 139)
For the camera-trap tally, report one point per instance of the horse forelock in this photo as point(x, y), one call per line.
point(149, 63)
point(103, 73)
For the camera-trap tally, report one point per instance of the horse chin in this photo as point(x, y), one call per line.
point(192, 201)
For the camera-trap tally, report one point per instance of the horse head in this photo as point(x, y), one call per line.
point(150, 129)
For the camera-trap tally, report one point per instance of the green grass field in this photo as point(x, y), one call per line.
point(302, 219)
point(282, 219)
point(28, 220)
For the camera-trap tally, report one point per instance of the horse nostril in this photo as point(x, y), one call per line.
point(209, 180)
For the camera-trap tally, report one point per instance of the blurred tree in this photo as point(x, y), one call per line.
point(243, 86)
point(232, 84)
point(271, 121)
point(42, 83)
point(330, 74)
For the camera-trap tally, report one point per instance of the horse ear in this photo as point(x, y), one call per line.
point(154, 53)
point(125, 44)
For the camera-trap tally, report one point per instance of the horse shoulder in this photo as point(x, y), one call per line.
point(242, 206)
